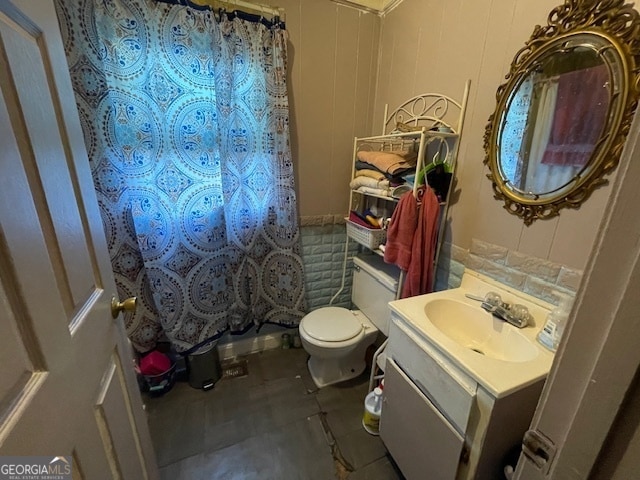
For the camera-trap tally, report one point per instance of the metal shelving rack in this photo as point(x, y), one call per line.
point(435, 120)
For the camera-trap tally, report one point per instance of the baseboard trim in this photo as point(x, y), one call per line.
point(245, 346)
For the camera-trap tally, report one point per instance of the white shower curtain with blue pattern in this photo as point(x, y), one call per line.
point(185, 118)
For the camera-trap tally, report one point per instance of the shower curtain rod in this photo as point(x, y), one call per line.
point(231, 5)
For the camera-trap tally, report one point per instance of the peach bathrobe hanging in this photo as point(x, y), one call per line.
point(411, 240)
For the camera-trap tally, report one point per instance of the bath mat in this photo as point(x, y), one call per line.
point(235, 369)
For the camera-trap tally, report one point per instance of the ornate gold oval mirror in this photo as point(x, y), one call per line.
point(563, 114)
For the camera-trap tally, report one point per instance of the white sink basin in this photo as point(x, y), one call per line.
point(479, 331)
point(497, 355)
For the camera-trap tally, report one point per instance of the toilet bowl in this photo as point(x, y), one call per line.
point(336, 338)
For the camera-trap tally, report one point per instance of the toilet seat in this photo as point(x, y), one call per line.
point(332, 324)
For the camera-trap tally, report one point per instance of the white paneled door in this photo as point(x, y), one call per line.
point(67, 386)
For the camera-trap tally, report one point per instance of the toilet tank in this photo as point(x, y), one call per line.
point(374, 286)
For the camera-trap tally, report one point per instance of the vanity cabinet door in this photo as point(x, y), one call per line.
point(420, 439)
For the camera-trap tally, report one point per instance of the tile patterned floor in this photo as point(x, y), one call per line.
point(272, 424)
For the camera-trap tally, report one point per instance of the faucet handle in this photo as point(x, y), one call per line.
point(493, 298)
point(521, 312)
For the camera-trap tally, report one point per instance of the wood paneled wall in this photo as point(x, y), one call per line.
point(333, 56)
point(346, 64)
point(431, 45)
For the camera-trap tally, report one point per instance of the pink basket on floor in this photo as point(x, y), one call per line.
point(161, 383)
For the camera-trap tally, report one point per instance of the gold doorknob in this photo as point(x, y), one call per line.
point(129, 305)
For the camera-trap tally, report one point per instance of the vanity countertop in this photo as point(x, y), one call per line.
point(498, 376)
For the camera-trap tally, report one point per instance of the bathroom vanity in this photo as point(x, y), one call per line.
point(461, 386)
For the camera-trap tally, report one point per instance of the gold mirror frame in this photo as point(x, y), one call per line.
point(619, 24)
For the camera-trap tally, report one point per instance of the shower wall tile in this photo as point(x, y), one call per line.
point(323, 242)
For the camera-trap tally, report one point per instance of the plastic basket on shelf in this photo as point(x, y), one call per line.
point(369, 237)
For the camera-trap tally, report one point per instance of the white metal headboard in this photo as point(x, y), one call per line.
point(428, 110)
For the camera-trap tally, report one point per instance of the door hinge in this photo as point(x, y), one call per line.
point(465, 453)
point(538, 448)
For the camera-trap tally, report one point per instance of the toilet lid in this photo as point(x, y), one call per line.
point(332, 324)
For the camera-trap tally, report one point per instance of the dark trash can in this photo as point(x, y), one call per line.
point(203, 367)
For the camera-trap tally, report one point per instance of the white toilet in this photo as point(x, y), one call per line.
point(336, 338)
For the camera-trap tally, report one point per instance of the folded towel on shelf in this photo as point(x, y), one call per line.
point(360, 165)
point(367, 172)
point(374, 191)
point(358, 182)
point(396, 178)
point(389, 162)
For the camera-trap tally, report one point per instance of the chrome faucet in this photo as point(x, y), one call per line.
point(516, 314)
point(505, 312)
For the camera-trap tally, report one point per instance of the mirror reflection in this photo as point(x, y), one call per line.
point(554, 119)
point(563, 114)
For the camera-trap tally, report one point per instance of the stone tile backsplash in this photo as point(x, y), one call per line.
point(534, 276)
point(323, 239)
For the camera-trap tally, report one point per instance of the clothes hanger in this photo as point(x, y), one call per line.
point(438, 159)
point(427, 168)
